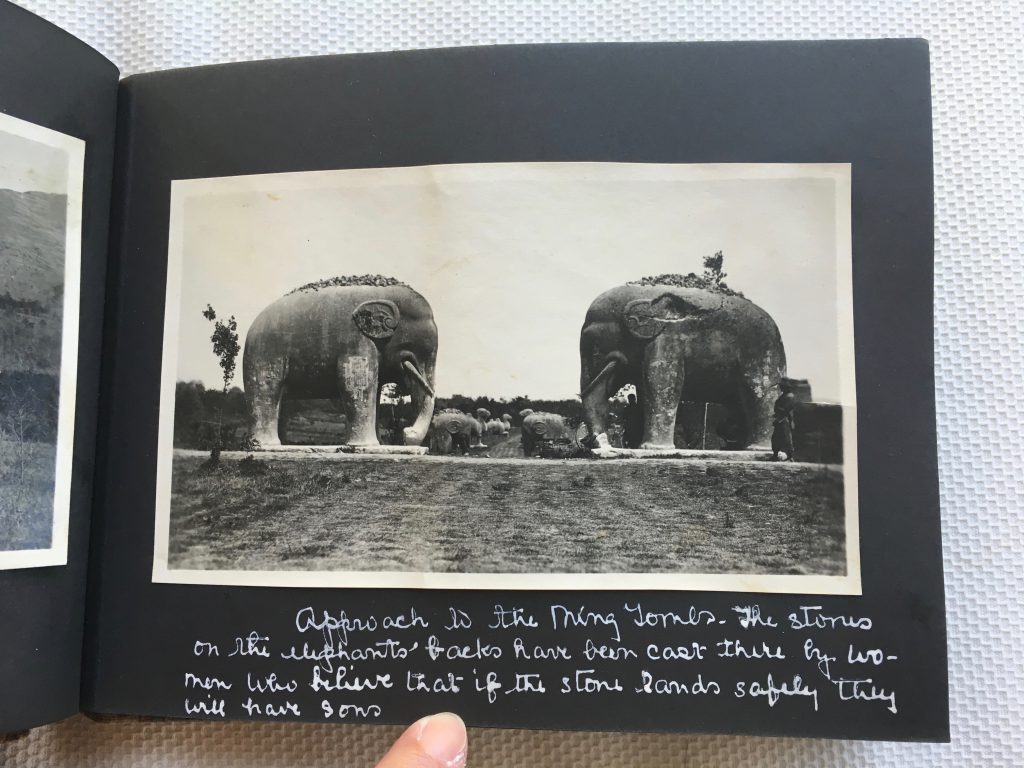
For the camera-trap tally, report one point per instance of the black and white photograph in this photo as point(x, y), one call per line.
point(40, 252)
point(523, 375)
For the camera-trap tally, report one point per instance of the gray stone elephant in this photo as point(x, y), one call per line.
point(538, 426)
point(676, 344)
point(452, 431)
point(342, 338)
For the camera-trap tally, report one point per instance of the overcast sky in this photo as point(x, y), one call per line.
point(510, 256)
point(31, 166)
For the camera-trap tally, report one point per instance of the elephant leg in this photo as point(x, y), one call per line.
point(751, 414)
point(264, 388)
point(760, 411)
point(662, 385)
point(358, 390)
point(441, 442)
point(736, 428)
point(423, 405)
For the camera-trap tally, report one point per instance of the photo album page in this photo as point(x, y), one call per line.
point(595, 423)
point(58, 100)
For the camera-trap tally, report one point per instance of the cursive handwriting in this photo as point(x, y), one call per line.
point(357, 662)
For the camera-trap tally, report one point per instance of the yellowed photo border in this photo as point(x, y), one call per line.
point(184, 190)
point(57, 553)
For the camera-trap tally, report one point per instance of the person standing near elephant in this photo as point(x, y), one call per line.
point(633, 433)
point(782, 434)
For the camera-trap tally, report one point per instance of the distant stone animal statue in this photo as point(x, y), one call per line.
point(506, 423)
point(543, 426)
point(452, 431)
point(342, 338)
point(677, 344)
point(496, 427)
point(482, 416)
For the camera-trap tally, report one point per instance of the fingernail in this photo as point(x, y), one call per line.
point(443, 737)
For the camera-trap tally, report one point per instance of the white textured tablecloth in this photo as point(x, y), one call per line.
point(978, 107)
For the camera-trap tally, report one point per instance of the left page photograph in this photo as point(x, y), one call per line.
point(40, 256)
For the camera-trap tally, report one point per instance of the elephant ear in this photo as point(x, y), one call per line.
point(377, 318)
point(646, 318)
point(452, 425)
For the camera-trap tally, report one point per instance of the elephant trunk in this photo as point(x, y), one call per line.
point(422, 395)
point(596, 392)
point(609, 367)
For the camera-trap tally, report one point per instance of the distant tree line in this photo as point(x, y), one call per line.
point(198, 411)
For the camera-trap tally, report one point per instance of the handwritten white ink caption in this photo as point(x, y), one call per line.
point(342, 663)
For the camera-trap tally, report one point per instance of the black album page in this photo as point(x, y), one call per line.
point(571, 386)
point(57, 109)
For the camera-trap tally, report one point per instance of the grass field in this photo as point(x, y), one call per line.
point(443, 514)
point(26, 495)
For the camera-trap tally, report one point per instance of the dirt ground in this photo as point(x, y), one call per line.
point(446, 514)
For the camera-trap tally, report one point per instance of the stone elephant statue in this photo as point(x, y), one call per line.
point(342, 338)
point(453, 431)
point(679, 344)
point(538, 426)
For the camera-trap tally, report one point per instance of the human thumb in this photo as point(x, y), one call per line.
point(437, 741)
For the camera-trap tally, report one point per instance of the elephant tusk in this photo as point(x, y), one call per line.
point(410, 366)
point(608, 368)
